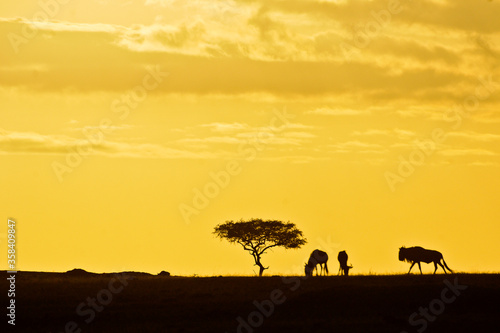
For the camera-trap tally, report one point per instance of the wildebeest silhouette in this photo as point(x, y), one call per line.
point(344, 268)
point(418, 254)
point(317, 257)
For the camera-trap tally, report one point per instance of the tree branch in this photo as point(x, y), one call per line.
point(244, 246)
point(268, 247)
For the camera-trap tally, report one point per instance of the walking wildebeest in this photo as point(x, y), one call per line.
point(417, 254)
point(344, 268)
point(317, 257)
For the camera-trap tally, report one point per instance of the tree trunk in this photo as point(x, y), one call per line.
point(261, 267)
point(261, 270)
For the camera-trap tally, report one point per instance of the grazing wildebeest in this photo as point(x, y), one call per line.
point(417, 254)
point(317, 257)
point(344, 268)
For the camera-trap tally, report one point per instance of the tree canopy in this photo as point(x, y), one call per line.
point(257, 236)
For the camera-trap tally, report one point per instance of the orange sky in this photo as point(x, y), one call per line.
point(129, 129)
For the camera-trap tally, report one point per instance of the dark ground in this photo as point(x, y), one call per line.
point(47, 302)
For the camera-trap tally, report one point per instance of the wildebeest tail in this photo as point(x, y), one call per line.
point(444, 262)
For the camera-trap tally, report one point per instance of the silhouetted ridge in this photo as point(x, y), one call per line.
point(78, 271)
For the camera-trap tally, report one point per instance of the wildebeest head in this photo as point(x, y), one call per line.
point(308, 269)
point(402, 256)
point(346, 269)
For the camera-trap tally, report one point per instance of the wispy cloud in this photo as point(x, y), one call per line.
point(325, 111)
point(467, 152)
point(395, 132)
point(35, 143)
point(372, 132)
point(212, 139)
point(162, 3)
point(487, 117)
point(357, 147)
point(288, 134)
point(475, 136)
point(110, 128)
point(299, 135)
point(485, 164)
point(30, 142)
point(355, 144)
point(270, 41)
point(226, 127)
point(269, 138)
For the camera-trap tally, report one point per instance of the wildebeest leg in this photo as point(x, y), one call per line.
point(412, 264)
point(441, 267)
point(419, 267)
point(435, 267)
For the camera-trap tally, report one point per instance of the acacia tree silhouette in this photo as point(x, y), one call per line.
point(257, 235)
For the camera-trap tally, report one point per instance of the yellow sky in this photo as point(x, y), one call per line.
point(129, 129)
